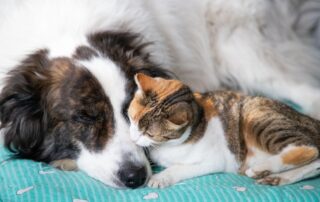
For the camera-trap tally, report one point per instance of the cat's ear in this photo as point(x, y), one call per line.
point(144, 82)
point(179, 117)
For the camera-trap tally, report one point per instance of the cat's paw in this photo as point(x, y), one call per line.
point(161, 180)
point(270, 180)
point(257, 174)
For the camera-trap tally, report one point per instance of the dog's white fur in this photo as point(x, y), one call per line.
point(102, 165)
point(244, 43)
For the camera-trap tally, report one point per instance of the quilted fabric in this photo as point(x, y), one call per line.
point(24, 180)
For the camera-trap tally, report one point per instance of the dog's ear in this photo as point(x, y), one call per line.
point(125, 47)
point(23, 114)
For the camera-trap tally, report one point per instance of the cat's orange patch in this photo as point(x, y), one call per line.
point(161, 87)
point(197, 96)
point(207, 104)
point(144, 82)
point(250, 142)
point(300, 155)
point(136, 111)
point(248, 125)
point(248, 134)
point(164, 89)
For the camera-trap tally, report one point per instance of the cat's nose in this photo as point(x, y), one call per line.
point(133, 176)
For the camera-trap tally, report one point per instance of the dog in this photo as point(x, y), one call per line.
point(67, 68)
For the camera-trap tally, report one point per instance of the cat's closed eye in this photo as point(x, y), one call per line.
point(149, 134)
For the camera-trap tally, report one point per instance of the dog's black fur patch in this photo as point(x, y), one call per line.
point(84, 53)
point(47, 106)
point(128, 51)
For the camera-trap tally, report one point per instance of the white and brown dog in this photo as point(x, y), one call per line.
point(67, 67)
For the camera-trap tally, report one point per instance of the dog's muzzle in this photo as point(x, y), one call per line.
point(133, 175)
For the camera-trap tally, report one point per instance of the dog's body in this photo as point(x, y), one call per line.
point(209, 44)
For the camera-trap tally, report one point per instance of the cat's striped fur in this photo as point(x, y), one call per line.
point(266, 139)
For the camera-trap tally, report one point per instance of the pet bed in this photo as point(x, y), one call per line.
point(25, 180)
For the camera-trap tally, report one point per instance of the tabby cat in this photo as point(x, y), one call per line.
point(193, 134)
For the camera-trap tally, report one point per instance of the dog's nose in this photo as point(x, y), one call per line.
point(133, 176)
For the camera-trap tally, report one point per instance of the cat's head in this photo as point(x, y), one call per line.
point(161, 111)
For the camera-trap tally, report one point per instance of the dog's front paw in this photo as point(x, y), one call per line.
point(65, 164)
point(161, 180)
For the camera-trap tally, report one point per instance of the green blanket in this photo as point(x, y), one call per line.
point(24, 180)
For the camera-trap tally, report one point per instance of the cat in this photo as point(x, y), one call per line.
point(194, 134)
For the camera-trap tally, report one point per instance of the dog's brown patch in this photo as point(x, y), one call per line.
point(59, 69)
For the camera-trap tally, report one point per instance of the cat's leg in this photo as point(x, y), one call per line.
point(179, 172)
point(65, 164)
point(288, 177)
point(290, 157)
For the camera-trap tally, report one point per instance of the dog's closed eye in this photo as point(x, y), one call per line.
point(84, 117)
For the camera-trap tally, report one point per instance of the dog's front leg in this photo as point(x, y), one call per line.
point(65, 164)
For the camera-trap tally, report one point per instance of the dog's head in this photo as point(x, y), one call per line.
point(75, 107)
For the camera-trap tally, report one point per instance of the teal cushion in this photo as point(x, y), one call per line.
point(25, 180)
